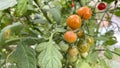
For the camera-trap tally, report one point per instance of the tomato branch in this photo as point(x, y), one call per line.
point(105, 50)
point(44, 13)
point(80, 3)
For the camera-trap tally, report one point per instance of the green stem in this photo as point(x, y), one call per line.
point(80, 2)
point(51, 37)
point(105, 50)
point(102, 19)
point(44, 13)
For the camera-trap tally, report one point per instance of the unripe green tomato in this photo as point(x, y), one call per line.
point(72, 59)
point(84, 55)
point(63, 46)
point(73, 51)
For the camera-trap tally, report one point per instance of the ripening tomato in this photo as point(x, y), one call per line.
point(90, 41)
point(80, 33)
point(73, 51)
point(74, 21)
point(85, 12)
point(70, 36)
point(101, 6)
point(83, 47)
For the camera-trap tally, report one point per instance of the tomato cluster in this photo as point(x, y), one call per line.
point(76, 35)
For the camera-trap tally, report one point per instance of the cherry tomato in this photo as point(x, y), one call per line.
point(73, 51)
point(101, 6)
point(80, 33)
point(83, 47)
point(74, 22)
point(70, 36)
point(84, 12)
point(90, 41)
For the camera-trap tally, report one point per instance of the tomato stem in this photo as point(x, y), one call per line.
point(44, 12)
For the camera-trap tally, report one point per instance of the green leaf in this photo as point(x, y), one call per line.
point(56, 14)
point(24, 56)
point(117, 12)
point(110, 41)
point(6, 19)
point(49, 56)
point(21, 7)
point(108, 1)
point(9, 30)
point(60, 30)
point(103, 64)
point(92, 57)
point(109, 33)
point(41, 47)
point(102, 38)
point(4, 4)
point(108, 54)
point(90, 27)
point(26, 40)
point(117, 51)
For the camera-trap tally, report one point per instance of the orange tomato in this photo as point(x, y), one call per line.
point(74, 21)
point(85, 12)
point(70, 36)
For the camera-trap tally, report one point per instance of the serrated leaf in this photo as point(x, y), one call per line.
point(4, 4)
point(108, 1)
point(41, 47)
point(56, 14)
point(90, 27)
point(21, 7)
point(117, 50)
point(92, 57)
point(108, 54)
point(110, 41)
point(49, 57)
point(24, 57)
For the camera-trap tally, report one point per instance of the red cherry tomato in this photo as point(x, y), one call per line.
point(101, 6)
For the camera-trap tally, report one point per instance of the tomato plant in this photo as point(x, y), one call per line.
point(57, 33)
